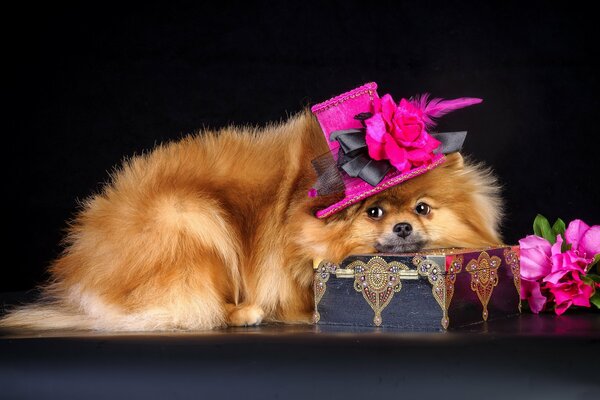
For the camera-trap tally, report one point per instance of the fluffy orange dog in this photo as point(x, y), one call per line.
point(212, 231)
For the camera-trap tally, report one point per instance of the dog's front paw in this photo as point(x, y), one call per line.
point(246, 315)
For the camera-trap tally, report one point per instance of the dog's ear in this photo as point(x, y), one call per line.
point(454, 161)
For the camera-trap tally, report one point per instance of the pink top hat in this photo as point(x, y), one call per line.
point(376, 143)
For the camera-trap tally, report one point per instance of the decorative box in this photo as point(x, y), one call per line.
point(432, 290)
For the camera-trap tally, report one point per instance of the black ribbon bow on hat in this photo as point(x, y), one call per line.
point(353, 154)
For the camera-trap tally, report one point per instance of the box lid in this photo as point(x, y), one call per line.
point(411, 265)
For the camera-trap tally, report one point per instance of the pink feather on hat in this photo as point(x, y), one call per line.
point(437, 107)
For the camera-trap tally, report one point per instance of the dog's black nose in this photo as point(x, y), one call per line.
point(403, 229)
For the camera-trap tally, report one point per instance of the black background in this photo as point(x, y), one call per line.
point(88, 85)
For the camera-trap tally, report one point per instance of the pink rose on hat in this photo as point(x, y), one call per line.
point(397, 133)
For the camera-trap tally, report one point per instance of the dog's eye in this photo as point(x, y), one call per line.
point(422, 209)
point(375, 212)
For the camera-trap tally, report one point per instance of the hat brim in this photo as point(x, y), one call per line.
point(363, 190)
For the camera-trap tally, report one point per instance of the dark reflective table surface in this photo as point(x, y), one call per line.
point(527, 357)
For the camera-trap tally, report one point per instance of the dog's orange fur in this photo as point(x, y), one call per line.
point(217, 229)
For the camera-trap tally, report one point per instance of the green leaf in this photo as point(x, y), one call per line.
point(595, 299)
point(594, 266)
point(593, 277)
point(541, 228)
point(559, 228)
point(537, 231)
point(588, 280)
point(596, 260)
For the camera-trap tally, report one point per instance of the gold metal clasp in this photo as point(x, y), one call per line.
point(344, 273)
point(411, 274)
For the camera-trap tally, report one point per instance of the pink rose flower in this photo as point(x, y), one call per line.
point(536, 263)
point(530, 291)
point(397, 133)
point(535, 257)
point(551, 276)
point(570, 290)
point(563, 263)
point(564, 281)
point(584, 240)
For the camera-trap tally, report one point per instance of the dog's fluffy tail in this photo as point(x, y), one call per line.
point(45, 316)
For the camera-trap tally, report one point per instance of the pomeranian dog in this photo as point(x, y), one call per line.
point(217, 230)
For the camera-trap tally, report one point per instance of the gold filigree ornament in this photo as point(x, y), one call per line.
point(322, 274)
point(377, 280)
point(484, 277)
point(453, 268)
point(442, 286)
point(511, 257)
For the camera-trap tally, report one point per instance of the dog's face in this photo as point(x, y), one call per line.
point(397, 222)
point(451, 206)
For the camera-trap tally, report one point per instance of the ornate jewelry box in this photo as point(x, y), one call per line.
point(426, 291)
